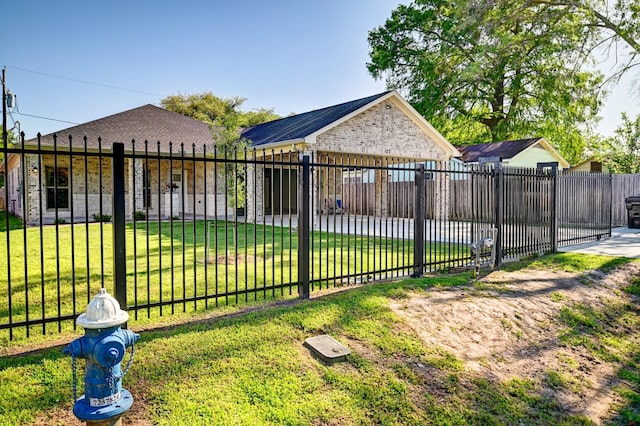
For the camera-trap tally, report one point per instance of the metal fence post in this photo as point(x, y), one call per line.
point(554, 208)
point(610, 199)
point(304, 212)
point(418, 222)
point(553, 205)
point(497, 182)
point(118, 218)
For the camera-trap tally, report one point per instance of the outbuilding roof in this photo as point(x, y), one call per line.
point(505, 150)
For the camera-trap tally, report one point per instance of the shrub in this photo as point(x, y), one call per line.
point(139, 215)
point(102, 217)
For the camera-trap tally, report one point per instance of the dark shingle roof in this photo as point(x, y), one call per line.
point(301, 125)
point(504, 150)
point(147, 122)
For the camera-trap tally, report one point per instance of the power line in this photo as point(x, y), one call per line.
point(46, 118)
point(84, 81)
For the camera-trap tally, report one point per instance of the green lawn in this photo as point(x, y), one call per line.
point(14, 222)
point(167, 262)
point(252, 369)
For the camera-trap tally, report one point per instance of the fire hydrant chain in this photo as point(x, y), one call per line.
point(112, 378)
point(75, 377)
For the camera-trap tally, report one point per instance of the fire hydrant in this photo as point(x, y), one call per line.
point(103, 347)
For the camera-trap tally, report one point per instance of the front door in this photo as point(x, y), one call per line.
point(176, 181)
point(173, 198)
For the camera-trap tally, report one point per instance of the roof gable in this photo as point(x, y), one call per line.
point(307, 126)
point(505, 150)
point(147, 122)
point(297, 127)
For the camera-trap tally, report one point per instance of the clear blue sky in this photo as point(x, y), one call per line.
point(289, 55)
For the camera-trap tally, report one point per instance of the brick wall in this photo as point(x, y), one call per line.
point(383, 130)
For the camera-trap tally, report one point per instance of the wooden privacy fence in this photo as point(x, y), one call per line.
point(623, 186)
point(582, 197)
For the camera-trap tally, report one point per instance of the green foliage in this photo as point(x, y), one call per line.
point(102, 217)
point(230, 145)
point(225, 120)
point(139, 215)
point(489, 71)
point(217, 112)
point(616, 26)
point(10, 136)
point(624, 156)
point(259, 116)
point(205, 107)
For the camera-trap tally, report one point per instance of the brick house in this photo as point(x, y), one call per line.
point(377, 127)
point(81, 184)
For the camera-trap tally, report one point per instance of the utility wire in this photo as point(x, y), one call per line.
point(84, 82)
point(46, 118)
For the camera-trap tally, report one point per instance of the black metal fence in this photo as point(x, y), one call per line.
point(172, 229)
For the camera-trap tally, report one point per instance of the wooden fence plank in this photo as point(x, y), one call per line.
point(623, 186)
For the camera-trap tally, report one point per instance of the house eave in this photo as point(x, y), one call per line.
point(293, 144)
point(403, 105)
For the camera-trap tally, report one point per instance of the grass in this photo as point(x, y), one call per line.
point(571, 262)
point(14, 222)
point(252, 369)
point(166, 262)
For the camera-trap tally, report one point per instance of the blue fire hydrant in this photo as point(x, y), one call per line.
point(103, 347)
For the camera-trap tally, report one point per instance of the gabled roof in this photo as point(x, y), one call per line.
point(147, 122)
point(305, 128)
point(297, 127)
point(505, 150)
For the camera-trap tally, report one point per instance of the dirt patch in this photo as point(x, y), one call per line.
point(507, 325)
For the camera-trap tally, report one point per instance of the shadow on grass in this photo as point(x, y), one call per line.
point(391, 377)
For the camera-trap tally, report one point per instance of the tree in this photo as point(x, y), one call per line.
point(215, 111)
point(259, 116)
point(205, 107)
point(488, 70)
point(616, 23)
point(11, 136)
point(624, 147)
point(225, 121)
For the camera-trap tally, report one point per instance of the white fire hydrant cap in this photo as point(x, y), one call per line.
point(103, 312)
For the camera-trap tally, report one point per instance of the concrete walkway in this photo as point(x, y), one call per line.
point(624, 242)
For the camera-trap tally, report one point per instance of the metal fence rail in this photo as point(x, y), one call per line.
point(171, 228)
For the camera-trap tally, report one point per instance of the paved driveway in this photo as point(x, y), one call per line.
point(624, 242)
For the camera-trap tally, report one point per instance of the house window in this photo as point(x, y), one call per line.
point(57, 188)
point(146, 187)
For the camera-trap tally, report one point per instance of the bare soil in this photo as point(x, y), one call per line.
point(507, 326)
